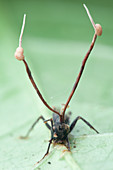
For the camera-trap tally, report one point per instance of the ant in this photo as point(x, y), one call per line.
point(60, 128)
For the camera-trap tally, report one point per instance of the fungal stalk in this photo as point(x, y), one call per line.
point(98, 31)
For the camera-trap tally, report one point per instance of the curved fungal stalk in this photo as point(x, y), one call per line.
point(19, 56)
point(98, 31)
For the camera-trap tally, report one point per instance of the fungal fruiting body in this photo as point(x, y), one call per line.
point(60, 122)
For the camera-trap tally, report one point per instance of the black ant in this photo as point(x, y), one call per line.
point(60, 127)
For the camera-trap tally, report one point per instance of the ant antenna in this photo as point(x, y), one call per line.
point(98, 31)
point(19, 56)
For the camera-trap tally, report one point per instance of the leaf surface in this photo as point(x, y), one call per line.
point(55, 42)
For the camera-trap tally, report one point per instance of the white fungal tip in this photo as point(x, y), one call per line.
point(22, 30)
point(89, 15)
point(84, 5)
point(98, 29)
point(19, 53)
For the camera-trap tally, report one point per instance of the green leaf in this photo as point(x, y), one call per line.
point(55, 41)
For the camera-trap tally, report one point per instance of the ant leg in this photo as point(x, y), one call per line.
point(68, 144)
point(29, 131)
point(75, 121)
point(50, 142)
point(51, 120)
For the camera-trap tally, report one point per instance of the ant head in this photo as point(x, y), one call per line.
point(60, 131)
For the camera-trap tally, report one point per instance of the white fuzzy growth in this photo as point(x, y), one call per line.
point(89, 15)
point(19, 53)
point(98, 30)
point(22, 30)
point(97, 27)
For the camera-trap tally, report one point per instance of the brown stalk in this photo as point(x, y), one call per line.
point(79, 75)
point(36, 88)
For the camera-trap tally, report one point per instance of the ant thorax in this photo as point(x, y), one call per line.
point(60, 131)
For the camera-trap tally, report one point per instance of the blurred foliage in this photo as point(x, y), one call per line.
point(57, 36)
